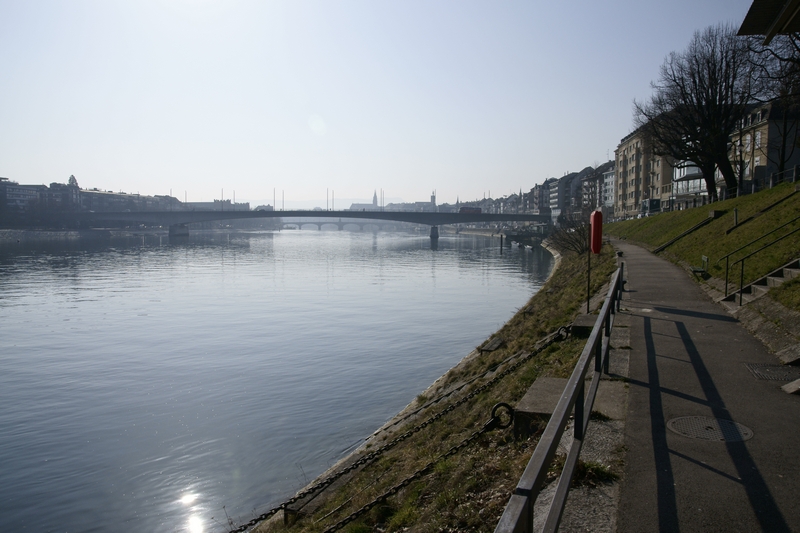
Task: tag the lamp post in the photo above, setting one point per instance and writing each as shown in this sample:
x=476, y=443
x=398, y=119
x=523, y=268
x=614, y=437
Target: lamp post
x=740, y=188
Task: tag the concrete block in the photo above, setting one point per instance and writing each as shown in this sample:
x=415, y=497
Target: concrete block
x=582, y=326
x=790, y=355
x=792, y=388
x=535, y=408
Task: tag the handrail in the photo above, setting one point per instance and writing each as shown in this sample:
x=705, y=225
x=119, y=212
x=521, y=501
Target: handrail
x=741, y=275
x=518, y=514
x=727, y=257
x=684, y=234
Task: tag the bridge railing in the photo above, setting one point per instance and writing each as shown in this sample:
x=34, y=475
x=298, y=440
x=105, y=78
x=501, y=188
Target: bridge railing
x=518, y=514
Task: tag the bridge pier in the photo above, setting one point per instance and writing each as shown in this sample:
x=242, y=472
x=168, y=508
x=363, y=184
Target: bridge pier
x=179, y=230
x=434, y=233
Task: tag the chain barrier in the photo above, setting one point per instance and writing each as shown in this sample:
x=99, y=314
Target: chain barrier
x=559, y=334
x=495, y=422
x=547, y=341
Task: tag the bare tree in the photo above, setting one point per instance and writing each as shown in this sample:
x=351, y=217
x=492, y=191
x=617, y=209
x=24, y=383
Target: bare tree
x=778, y=66
x=572, y=233
x=700, y=96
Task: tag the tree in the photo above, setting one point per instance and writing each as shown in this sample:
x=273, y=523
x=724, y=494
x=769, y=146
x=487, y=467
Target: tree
x=700, y=97
x=778, y=65
x=72, y=181
x=572, y=233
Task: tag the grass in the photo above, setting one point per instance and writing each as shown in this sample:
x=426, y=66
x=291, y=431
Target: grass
x=714, y=241
x=788, y=294
x=467, y=492
x=587, y=473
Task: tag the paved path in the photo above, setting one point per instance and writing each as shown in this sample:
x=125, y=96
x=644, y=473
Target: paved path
x=688, y=358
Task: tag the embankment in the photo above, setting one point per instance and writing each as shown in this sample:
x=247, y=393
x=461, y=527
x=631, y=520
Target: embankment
x=468, y=491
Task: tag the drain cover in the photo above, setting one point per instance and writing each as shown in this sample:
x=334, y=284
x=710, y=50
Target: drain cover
x=703, y=427
x=774, y=372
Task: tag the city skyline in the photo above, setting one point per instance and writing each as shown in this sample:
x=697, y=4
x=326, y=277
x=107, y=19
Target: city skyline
x=309, y=97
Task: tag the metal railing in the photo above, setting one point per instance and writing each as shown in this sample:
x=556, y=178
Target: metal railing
x=727, y=257
x=741, y=275
x=788, y=175
x=518, y=514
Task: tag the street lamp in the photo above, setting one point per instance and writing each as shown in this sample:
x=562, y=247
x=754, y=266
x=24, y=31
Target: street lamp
x=741, y=168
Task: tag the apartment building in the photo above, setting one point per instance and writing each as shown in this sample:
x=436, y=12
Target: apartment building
x=764, y=144
x=593, y=186
x=642, y=180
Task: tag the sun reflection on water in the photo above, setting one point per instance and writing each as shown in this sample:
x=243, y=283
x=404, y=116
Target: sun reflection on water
x=188, y=499
x=195, y=525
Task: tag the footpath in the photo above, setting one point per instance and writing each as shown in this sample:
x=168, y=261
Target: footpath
x=710, y=444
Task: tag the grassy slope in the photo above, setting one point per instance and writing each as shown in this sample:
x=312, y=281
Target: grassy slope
x=713, y=242
x=469, y=491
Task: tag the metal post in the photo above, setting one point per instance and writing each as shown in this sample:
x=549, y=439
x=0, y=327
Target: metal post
x=727, y=259
x=741, y=284
x=598, y=354
x=588, y=278
x=578, y=428
x=608, y=335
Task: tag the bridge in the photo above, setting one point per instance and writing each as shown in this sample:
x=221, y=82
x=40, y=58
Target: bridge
x=178, y=220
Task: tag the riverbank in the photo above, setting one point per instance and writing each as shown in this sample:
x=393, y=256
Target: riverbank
x=35, y=235
x=469, y=490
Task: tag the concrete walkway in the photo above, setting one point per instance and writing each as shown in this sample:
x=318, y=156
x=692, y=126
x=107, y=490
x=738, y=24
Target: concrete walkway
x=688, y=359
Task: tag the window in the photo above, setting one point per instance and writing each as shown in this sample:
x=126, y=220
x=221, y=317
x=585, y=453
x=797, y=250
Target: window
x=747, y=143
x=758, y=140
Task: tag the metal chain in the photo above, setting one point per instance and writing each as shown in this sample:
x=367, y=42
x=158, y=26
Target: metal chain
x=560, y=334
x=544, y=343
x=493, y=423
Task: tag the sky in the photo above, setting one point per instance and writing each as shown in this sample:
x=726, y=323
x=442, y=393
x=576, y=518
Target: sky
x=313, y=100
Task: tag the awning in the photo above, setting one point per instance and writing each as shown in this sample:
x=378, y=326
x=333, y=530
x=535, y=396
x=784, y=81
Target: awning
x=770, y=18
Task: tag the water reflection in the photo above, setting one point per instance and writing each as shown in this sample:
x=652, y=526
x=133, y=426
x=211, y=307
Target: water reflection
x=145, y=385
x=195, y=524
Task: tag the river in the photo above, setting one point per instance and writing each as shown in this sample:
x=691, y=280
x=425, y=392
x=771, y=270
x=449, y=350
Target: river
x=164, y=387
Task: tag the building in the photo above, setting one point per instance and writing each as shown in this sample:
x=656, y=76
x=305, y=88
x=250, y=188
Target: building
x=764, y=145
x=643, y=180
x=592, y=186
x=169, y=202
x=606, y=200
x=689, y=187
x=367, y=207
x=426, y=207
x=20, y=197
x=560, y=195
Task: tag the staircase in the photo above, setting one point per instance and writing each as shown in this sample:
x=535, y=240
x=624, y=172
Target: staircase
x=762, y=285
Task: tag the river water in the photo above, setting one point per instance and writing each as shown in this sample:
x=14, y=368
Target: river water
x=156, y=386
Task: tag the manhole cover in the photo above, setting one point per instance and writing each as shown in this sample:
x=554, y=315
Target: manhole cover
x=774, y=372
x=703, y=427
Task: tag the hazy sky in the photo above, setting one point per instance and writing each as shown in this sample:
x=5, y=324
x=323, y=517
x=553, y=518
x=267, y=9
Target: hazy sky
x=406, y=96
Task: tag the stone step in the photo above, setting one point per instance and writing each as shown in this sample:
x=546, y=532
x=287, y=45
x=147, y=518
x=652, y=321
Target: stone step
x=775, y=281
x=791, y=273
x=535, y=408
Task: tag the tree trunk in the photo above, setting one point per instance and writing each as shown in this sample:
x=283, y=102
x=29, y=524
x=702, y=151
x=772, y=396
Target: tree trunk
x=711, y=186
x=728, y=173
